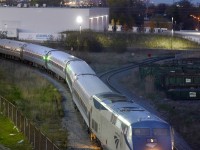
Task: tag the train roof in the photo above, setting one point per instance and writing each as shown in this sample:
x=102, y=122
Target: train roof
x=127, y=111
x=90, y=85
x=63, y=57
x=11, y=44
x=42, y=50
x=80, y=68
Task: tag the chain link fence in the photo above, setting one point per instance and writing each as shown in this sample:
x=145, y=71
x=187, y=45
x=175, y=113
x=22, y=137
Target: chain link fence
x=38, y=140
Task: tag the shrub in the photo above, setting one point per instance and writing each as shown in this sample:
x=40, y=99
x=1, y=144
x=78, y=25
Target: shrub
x=89, y=42
x=118, y=45
x=86, y=41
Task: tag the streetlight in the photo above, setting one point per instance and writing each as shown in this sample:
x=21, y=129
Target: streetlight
x=172, y=31
x=79, y=20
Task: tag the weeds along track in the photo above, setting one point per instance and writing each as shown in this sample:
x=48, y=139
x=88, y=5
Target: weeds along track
x=71, y=121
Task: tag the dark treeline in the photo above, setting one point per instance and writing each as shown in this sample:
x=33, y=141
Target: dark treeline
x=135, y=12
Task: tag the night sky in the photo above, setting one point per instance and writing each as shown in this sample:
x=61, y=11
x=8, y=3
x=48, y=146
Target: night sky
x=171, y=1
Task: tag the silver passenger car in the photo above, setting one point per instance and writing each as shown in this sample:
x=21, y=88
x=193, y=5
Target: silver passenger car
x=57, y=61
x=84, y=87
x=76, y=68
x=36, y=54
x=12, y=48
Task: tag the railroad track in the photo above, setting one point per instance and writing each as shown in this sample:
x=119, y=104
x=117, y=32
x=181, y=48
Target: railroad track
x=106, y=76
x=109, y=74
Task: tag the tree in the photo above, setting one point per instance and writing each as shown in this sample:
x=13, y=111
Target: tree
x=181, y=12
x=161, y=8
x=127, y=11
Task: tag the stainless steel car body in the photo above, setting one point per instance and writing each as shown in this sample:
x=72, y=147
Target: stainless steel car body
x=76, y=68
x=36, y=54
x=57, y=61
x=12, y=48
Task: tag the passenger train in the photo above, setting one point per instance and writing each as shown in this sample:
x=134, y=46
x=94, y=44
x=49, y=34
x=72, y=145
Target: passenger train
x=113, y=120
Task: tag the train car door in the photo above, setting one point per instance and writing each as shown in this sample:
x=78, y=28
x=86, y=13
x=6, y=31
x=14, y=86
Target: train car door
x=22, y=51
x=95, y=122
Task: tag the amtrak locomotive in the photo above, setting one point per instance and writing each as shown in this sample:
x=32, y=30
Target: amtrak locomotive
x=114, y=121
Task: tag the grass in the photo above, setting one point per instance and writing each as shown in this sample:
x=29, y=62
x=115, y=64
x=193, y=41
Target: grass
x=160, y=41
x=10, y=137
x=38, y=99
x=119, y=42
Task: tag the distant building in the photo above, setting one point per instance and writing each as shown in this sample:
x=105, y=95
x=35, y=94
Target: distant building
x=158, y=24
x=52, y=20
x=83, y=3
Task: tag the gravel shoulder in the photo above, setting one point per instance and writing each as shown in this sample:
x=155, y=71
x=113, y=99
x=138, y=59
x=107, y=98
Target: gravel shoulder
x=72, y=121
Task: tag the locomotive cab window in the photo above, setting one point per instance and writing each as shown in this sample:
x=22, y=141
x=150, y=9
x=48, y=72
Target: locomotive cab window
x=141, y=131
x=160, y=132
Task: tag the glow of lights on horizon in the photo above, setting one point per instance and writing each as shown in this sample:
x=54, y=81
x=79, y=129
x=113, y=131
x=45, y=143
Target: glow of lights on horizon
x=170, y=1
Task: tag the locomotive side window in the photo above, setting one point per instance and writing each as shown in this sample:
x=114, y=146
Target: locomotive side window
x=141, y=131
x=98, y=105
x=160, y=131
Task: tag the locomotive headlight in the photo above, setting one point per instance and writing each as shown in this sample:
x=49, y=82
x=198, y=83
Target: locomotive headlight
x=153, y=149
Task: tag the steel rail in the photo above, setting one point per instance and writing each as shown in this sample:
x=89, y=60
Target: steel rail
x=109, y=74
